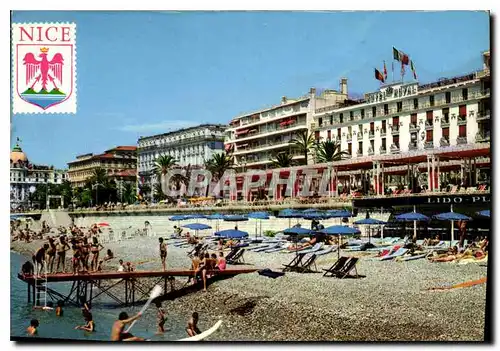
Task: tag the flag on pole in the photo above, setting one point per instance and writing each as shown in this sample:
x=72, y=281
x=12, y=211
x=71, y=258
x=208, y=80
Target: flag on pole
x=400, y=56
x=379, y=76
x=412, y=66
x=385, y=72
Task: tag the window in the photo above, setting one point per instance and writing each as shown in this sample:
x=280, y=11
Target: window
x=351, y=115
x=447, y=97
x=341, y=118
x=331, y=119
x=386, y=109
x=400, y=106
x=446, y=113
x=462, y=131
x=465, y=93
x=360, y=129
x=362, y=113
x=429, y=116
x=395, y=121
x=383, y=144
x=431, y=100
x=320, y=121
x=372, y=145
x=372, y=126
x=462, y=110
x=316, y=135
x=349, y=148
x=374, y=111
x=395, y=140
x=338, y=133
x=349, y=130
x=415, y=103
x=414, y=119
x=429, y=135
x=383, y=125
x=329, y=135
x=360, y=147
x=446, y=132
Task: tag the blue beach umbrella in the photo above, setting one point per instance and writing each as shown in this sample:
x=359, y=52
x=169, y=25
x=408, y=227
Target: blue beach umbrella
x=452, y=217
x=340, y=230
x=311, y=210
x=413, y=217
x=369, y=221
x=260, y=216
x=216, y=217
x=484, y=213
x=231, y=233
x=298, y=231
x=235, y=218
x=197, y=226
x=289, y=213
x=178, y=218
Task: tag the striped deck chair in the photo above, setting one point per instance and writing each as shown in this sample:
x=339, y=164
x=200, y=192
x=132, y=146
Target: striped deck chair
x=336, y=267
x=311, y=261
x=348, y=267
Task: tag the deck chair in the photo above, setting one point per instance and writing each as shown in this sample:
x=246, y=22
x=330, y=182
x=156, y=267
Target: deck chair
x=311, y=261
x=348, y=267
x=336, y=267
x=232, y=253
x=309, y=250
x=295, y=262
x=237, y=258
x=400, y=252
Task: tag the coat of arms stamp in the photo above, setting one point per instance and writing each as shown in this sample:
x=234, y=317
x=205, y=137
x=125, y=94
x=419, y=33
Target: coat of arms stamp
x=44, y=68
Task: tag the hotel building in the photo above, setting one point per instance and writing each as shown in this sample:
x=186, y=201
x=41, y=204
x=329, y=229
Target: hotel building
x=254, y=138
x=189, y=146
x=120, y=164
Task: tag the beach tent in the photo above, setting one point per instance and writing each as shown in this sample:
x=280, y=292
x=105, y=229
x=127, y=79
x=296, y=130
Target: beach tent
x=260, y=216
x=413, y=217
x=452, y=217
x=231, y=233
x=369, y=222
x=484, y=213
x=340, y=230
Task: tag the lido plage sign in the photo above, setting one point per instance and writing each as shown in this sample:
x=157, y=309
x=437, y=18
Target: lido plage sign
x=392, y=92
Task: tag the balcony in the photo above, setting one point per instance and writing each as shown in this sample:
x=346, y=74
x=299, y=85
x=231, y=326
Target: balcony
x=445, y=122
x=461, y=140
x=412, y=146
x=414, y=128
x=349, y=137
x=370, y=151
x=383, y=132
x=359, y=153
x=429, y=125
x=360, y=136
x=395, y=130
x=461, y=120
x=429, y=145
x=383, y=150
x=444, y=142
x=483, y=137
x=371, y=134
x=481, y=116
x=395, y=149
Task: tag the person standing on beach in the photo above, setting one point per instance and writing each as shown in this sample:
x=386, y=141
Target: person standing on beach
x=61, y=249
x=192, y=326
x=95, y=248
x=33, y=328
x=163, y=253
x=118, y=333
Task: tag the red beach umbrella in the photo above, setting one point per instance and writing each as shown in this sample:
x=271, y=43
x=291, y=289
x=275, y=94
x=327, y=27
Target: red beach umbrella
x=103, y=224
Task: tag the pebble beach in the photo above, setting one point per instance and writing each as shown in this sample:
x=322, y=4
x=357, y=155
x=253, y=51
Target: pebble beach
x=390, y=302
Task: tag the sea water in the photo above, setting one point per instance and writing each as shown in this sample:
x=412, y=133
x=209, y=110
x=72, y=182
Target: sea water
x=51, y=326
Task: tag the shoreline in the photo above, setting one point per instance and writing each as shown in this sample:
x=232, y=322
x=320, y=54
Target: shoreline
x=391, y=303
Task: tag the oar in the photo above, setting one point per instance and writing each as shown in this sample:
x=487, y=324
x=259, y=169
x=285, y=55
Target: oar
x=157, y=290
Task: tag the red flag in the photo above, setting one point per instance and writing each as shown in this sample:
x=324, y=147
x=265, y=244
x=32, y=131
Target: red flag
x=379, y=75
x=405, y=60
x=385, y=72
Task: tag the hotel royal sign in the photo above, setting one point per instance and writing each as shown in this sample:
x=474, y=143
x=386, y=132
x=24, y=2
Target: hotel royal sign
x=392, y=92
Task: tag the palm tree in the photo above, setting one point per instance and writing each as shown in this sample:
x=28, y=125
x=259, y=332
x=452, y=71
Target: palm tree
x=158, y=193
x=101, y=186
x=304, y=142
x=219, y=164
x=329, y=151
x=282, y=160
x=129, y=193
x=164, y=164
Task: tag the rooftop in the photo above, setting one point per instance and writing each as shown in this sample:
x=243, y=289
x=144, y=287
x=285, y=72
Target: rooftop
x=184, y=130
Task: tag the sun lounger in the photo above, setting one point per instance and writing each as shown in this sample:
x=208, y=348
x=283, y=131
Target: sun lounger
x=279, y=247
x=348, y=267
x=263, y=248
x=295, y=262
x=415, y=257
x=337, y=266
x=237, y=258
x=400, y=252
x=312, y=249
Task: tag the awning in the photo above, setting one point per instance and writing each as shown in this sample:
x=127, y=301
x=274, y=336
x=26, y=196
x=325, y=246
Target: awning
x=228, y=147
x=241, y=131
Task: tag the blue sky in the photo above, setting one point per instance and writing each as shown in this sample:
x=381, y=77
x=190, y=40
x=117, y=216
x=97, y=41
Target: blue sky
x=144, y=73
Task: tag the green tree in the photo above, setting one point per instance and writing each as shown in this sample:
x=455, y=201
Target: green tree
x=305, y=143
x=164, y=164
x=282, y=160
x=219, y=164
x=329, y=151
x=129, y=193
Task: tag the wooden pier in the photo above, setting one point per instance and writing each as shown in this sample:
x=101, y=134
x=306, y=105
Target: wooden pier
x=135, y=290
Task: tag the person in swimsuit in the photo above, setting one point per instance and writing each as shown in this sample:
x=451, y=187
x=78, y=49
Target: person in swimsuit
x=39, y=258
x=118, y=333
x=195, y=264
x=85, y=250
x=204, y=267
x=59, y=310
x=33, y=328
x=161, y=318
x=109, y=255
x=221, y=263
x=163, y=253
x=192, y=327
x=89, y=320
x=95, y=248
x=76, y=257
x=51, y=255
x=61, y=249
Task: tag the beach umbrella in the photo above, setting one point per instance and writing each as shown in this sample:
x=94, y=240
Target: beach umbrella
x=289, y=213
x=178, y=218
x=216, y=217
x=310, y=210
x=484, y=213
x=338, y=214
x=235, y=218
x=369, y=222
x=413, y=217
x=298, y=231
x=452, y=217
x=260, y=216
x=103, y=224
x=231, y=233
x=196, y=227
x=339, y=230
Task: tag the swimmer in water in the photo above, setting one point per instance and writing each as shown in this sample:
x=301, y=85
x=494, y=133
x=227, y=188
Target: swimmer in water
x=192, y=327
x=33, y=328
x=118, y=333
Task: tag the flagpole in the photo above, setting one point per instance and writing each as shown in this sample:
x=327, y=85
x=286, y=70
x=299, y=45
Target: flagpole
x=393, y=71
